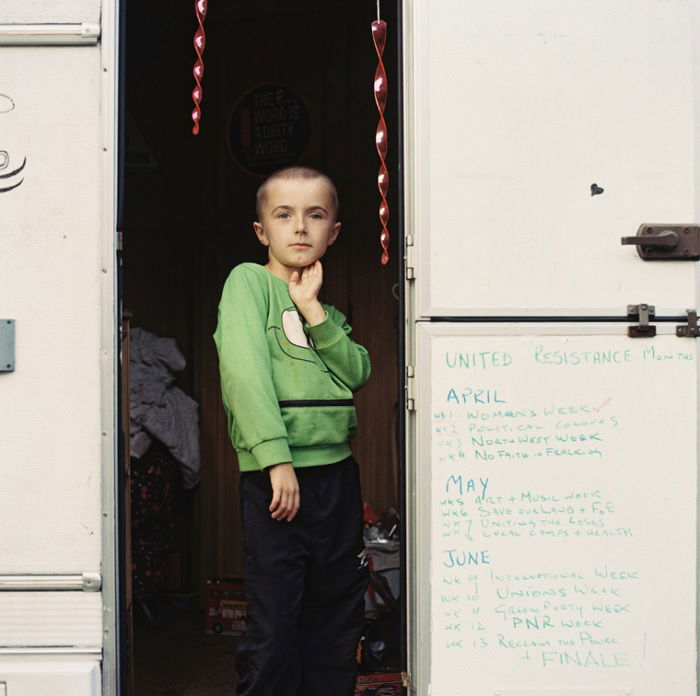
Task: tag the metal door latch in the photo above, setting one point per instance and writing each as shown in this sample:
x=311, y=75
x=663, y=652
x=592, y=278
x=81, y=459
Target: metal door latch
x=691, y=329
x=643, y=313
x=667, y=242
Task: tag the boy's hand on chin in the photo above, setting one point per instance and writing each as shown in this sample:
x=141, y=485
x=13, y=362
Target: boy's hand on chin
x=285, y=492
x=304, y=287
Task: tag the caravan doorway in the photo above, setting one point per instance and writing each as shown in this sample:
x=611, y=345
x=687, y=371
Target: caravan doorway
x=187, y=220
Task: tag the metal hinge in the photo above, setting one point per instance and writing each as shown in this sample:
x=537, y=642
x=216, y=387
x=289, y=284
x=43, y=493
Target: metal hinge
x=691, y=329
x=7, y=345
x=410, y=397
x=643, y=313
x=410, y=264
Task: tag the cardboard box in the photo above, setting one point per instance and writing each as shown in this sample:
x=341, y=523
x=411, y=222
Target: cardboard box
x=378, y=684
x=224, y=606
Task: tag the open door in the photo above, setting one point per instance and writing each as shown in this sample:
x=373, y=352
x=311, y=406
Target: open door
x=58, y=632
x=554, y=456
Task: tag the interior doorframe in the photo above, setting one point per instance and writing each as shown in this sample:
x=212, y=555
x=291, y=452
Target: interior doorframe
x=110, y=156
x=405, y=315
x=416, y=662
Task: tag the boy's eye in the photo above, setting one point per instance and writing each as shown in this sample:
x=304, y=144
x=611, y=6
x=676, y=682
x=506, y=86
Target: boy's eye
x=283, y=215
x=316, y=216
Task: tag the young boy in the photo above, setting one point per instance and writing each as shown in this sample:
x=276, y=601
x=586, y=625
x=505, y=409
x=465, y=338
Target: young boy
x=288, y=372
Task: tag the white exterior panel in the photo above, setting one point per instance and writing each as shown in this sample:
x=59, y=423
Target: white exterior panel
x=50, y=675
x=50, y=284
x=50, y=11
x=560, y=500
x=57, y=451
x=36, y=619
x=515, y=110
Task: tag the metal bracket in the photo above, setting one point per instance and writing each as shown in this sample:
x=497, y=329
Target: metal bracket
x=691, y=329
x=643, y=313
x=410, y=397
x=92, y=582
x=49, y=34
x=85, y=582
x=410, y=264
x=7, y=345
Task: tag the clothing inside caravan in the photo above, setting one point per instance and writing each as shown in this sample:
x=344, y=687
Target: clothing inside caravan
x=284, y=83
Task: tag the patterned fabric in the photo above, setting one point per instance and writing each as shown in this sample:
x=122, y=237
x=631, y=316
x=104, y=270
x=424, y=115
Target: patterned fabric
x=153, y=480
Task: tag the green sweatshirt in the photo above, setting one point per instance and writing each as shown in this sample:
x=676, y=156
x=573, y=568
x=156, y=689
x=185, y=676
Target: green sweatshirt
x=287, y=387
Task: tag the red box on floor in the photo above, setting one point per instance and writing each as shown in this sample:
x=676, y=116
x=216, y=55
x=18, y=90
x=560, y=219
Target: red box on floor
x=224, y=606
x=378, y=684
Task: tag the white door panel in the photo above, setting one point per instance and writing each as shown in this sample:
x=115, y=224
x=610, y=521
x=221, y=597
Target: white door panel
x=50, y=284
x=56, y=404
x=557, y=511
x=515, y=110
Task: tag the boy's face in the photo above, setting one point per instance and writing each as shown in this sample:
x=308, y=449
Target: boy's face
x=297, y=223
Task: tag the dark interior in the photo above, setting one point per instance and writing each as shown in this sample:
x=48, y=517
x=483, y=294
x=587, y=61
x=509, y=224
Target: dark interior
x=187, y=220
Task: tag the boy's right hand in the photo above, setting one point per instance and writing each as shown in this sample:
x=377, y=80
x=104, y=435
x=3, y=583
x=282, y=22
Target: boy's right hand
x=285, y=492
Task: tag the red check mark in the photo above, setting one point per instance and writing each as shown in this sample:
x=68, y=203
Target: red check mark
x=603, y=405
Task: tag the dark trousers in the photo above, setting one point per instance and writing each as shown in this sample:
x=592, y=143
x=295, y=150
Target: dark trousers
x=305, y=582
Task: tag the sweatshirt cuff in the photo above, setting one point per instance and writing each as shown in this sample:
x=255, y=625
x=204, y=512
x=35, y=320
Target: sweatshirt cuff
x=271, y=452
x=326, y=333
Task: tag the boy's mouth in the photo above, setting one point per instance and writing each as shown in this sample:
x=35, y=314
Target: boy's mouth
x=300, y=245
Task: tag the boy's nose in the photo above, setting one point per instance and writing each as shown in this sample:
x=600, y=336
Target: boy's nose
x=300, y=225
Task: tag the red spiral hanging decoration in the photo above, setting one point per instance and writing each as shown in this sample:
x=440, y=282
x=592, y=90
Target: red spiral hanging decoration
x=380, y=96
x=200, y=8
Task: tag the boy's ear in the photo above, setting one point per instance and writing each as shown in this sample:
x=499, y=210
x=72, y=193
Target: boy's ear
x=260, y=234
x=334, y=233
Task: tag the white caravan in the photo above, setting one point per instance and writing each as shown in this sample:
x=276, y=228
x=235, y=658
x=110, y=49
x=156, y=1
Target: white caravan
x=551, y=365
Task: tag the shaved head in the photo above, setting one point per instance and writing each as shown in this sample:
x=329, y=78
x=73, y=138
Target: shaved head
x=294, y=173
